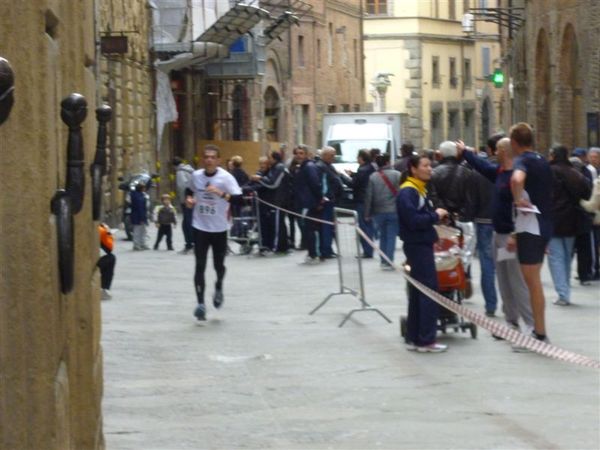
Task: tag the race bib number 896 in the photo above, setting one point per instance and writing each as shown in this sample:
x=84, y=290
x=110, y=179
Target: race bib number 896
x=206, y=210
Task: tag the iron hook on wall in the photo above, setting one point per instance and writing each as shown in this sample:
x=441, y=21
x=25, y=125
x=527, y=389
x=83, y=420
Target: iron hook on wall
x=73, y=112
x=67, y=202
x=98, y=167
x=7, y=88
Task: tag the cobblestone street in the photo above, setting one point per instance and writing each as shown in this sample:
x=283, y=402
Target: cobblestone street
x=262, y=373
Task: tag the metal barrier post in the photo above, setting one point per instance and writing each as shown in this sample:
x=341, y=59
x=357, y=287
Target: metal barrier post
x=349, y=261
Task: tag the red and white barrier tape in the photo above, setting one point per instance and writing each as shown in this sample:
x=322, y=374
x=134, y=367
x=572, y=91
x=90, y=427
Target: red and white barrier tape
x=496, y=328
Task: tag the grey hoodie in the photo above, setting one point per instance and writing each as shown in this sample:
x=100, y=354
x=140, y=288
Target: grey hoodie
x=379, y=198
x=183, y=177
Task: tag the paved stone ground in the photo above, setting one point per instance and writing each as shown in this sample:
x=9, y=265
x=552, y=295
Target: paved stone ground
x=262, y=373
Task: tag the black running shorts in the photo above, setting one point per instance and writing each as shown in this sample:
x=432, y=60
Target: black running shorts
x=531, y=248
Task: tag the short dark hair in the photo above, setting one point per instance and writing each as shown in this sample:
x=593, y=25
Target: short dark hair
x=493, y=141
x=212, y=148
x=407, y=149
x=522, y=134
x=276, y=156
x=560, y=153
x=374, y=152
x=177, y=160
x=382, y=160
x=364, y=155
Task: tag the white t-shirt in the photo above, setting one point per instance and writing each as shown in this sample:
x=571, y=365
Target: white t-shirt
x=210, y=211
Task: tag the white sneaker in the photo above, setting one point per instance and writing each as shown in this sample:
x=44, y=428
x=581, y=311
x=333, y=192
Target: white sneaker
x=105, y=295
x=311, y=261
x=432, y=348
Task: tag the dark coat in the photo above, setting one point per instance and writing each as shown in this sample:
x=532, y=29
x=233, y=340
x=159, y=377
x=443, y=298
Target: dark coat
x=416, y=217
x=569, y=187
x=139, y=211
x=359, y=182
x=308, y=190
x=329, y=175
x=451, y=188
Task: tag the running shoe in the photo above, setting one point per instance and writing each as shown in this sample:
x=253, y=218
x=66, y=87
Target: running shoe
x=410, y=346
x=311, y=261
x=432, y=348
x=200, y=312
x=218, y=298
x=521, y=349
x=562, y=302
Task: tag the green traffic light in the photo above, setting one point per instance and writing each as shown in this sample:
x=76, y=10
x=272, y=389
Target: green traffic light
x=498, y=78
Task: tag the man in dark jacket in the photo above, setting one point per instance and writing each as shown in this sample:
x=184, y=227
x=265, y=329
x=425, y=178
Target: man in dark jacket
x=451, y=184
x=482, y=212
x=308, y=192
x=332, y=191
x=406, y=151
x=569, y=187
x=513, y=290
x=276, y=181
x=358, y=182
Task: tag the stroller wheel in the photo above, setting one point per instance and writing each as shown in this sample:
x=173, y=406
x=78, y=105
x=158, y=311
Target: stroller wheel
x=403, y=326
x=473, y=329
x=245, y=249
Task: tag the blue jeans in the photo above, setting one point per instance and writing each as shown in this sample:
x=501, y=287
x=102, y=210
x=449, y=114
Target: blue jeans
x=387, y=224
x=326, y=231
x=485, y=234
x=560, y=250
x=367, y=227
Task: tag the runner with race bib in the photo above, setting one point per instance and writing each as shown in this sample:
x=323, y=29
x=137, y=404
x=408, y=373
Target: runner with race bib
x=211, y=191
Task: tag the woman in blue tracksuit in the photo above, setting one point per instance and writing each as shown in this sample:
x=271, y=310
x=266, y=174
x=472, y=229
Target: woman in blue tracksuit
x=416, y=218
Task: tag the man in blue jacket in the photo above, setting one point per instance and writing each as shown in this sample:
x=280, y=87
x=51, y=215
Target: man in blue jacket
x=308, y=191
x=513, y=290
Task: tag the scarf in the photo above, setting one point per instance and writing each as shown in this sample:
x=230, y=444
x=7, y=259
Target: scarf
x=416, y=184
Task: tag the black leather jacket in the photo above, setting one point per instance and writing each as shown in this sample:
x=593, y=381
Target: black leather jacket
x=452, y=187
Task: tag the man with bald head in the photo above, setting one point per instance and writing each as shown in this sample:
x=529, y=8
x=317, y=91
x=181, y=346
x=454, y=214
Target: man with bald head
x=513, y=290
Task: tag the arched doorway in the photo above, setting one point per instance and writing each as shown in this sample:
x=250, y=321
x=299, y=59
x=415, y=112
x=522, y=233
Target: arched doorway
x=543, y=104
x=272, y=107
x=572, y=131
x=486, y=120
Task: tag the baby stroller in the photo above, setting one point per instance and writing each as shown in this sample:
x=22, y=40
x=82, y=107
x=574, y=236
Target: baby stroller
x=245, y=229
x=452, y=263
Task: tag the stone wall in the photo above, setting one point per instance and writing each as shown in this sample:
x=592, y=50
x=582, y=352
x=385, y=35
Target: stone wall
x=559, y=62
x=50, y=354
x=127, y=85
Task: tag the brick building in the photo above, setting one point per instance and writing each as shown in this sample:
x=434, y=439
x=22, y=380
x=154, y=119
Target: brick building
x=554, y=60
x=326, y=67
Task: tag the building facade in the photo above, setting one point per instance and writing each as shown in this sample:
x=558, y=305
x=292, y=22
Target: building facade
x=326, y=68
x=554, y=63
x=50, y=353
x=126, y=83
x=439, y=74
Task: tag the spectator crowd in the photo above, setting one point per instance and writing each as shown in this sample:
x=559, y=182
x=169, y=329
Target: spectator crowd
x=523, y=205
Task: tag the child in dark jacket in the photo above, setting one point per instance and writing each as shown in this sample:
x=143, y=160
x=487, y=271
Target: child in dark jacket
x=165, y=218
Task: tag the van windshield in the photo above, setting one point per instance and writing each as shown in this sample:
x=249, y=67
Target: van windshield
x=347, y=149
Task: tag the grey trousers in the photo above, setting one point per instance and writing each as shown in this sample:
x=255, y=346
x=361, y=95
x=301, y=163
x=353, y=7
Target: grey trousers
x=513, y=290
x=139, y=237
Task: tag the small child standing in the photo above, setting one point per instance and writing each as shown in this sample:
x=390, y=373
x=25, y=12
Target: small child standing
x=165, y=217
